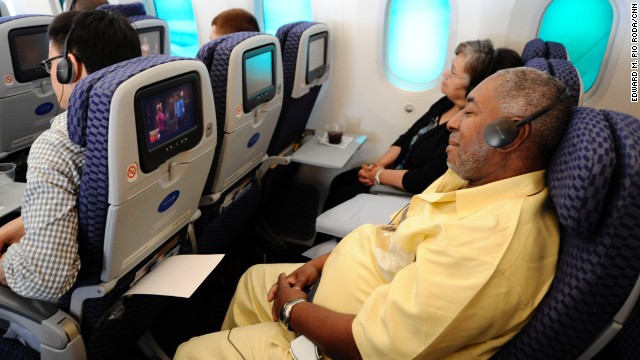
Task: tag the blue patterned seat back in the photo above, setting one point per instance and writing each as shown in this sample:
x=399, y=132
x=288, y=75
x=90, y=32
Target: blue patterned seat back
x=88, y=126
x=538, y=63
x=594, y=181
x=564, y=71
x=215, y=56
x=534, y=49
x=295, y=112
x=556, y=50
x=128, y=10
x=134, y=11
x=538, y=48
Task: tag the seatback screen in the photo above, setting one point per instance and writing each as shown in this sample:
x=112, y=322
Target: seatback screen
x=258, y=76
x=317, y=56
x=169, y=119
x=29, y=46
x=151, y=41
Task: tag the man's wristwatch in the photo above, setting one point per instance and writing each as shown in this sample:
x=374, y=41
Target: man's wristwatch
x=285, y=312
x=376, y=180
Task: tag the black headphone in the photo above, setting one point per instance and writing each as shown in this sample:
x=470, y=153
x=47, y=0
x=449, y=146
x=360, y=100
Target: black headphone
x=503, y=131
x=65, y=71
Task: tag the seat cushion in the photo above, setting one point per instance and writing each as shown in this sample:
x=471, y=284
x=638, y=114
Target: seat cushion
x=580, y=171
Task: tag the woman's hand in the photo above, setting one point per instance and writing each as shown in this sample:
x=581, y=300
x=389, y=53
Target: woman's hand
x=367, y=174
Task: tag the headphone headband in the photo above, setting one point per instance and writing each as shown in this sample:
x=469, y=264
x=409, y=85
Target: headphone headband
x=503, y=131
x=527, y=119
x=65, y=71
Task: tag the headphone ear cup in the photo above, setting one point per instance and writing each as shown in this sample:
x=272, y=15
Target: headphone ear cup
x=65, y=72
x=500, y=132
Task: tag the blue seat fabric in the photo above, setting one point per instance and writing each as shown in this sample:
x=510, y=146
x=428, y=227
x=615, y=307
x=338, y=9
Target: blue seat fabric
x=563, y=70
x=295, y=112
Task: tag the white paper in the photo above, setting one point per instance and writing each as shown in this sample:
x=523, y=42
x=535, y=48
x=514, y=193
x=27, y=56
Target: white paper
x=346, y=140
x=177, y=275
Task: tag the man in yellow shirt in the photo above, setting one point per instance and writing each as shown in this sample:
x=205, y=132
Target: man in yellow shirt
x=457, y=274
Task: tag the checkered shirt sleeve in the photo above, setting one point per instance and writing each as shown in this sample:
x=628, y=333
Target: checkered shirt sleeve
x=45, y=263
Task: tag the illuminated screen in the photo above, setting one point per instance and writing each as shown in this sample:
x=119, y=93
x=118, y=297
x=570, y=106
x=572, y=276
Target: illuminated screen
x=316, y=56
x=168, y=118
x=258, y=74
x=151, y=41
x=29, y=46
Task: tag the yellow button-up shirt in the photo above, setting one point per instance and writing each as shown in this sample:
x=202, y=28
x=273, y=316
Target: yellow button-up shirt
x=458, y=277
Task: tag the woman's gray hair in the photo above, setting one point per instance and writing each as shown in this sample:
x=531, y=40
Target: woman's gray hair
x=479, y=55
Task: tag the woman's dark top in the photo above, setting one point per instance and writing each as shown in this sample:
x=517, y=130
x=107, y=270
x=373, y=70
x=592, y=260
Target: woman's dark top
x=425, y=160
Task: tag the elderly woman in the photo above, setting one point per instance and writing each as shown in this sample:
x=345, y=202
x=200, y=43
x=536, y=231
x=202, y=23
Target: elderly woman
x=418, y=157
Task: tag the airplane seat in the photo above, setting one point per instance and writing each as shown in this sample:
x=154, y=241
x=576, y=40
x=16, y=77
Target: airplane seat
x=306, y=54
x=128, y=10
x=564, y=71
x=300, y=89
x=153, y=31
x=538, y=48
x=535, y=48
x=139, y=193
x=556, y=50
x=27, y=99
x=594, y=183
x=245, y=69
x=570, y=77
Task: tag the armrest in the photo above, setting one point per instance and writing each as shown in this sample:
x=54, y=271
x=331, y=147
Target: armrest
x=270, y=161
x=362, y=209
x=57, y=332
x=388, y=190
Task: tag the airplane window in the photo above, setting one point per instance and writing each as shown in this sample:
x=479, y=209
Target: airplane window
x=183, y=32
x=417, y=34
x=279, y=12
x=583, y=27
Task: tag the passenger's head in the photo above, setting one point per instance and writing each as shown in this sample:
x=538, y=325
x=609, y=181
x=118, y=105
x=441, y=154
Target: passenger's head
x=512, y=94
x=93, y=40
x=475, y=61
x=232, y=21
x=86, y=5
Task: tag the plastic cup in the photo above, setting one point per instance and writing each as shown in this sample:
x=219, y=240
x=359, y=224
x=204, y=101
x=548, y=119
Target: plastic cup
x=335, y=132
x=7, y=173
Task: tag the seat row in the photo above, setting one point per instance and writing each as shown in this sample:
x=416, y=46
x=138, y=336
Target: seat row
x=169, y=142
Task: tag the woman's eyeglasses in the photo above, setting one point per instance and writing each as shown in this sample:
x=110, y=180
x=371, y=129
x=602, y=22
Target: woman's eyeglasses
x=454, y=75
x=46, y=63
